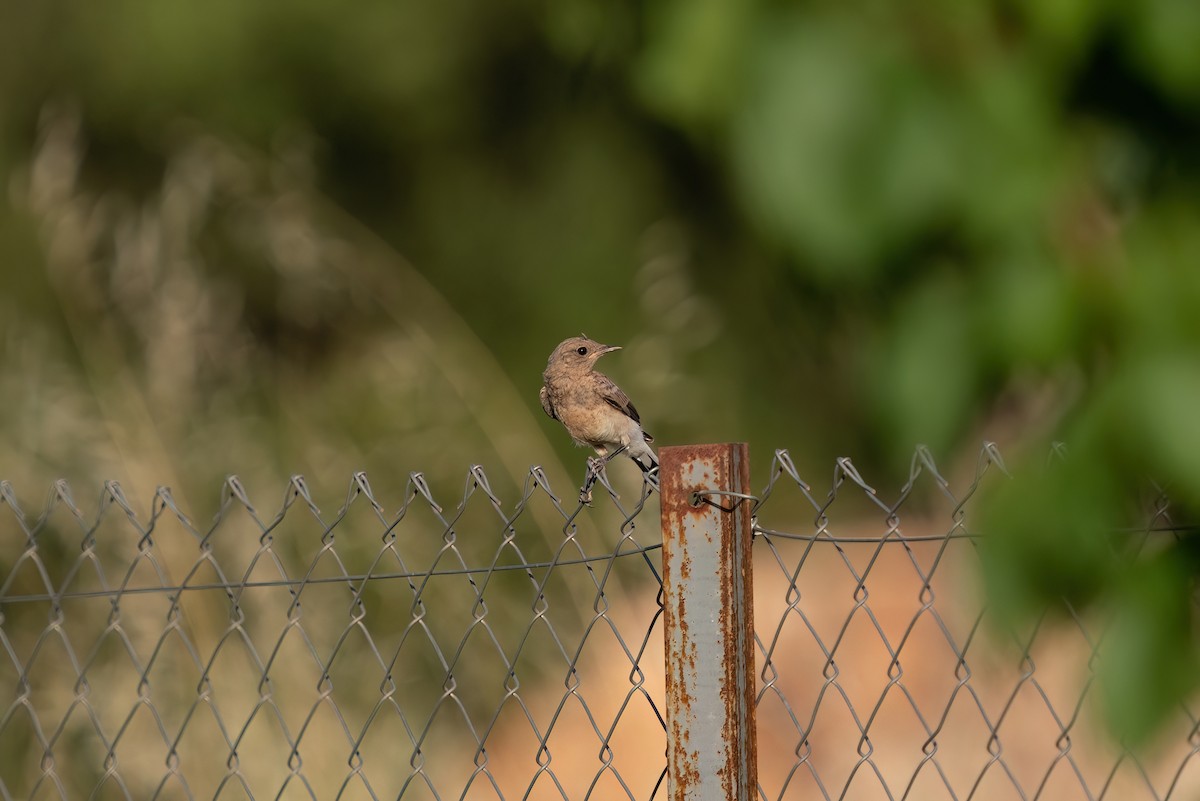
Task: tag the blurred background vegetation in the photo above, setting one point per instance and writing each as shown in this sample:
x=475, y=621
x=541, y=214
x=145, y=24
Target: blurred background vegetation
x=309, y=237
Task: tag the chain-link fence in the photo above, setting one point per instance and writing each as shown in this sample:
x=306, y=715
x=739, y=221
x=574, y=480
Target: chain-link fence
x=881, y=675
x=410, y=647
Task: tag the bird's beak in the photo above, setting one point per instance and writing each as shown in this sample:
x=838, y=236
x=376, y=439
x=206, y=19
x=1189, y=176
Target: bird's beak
x=608, y=349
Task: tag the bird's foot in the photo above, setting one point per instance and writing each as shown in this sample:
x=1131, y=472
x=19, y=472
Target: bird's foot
x=595, y=468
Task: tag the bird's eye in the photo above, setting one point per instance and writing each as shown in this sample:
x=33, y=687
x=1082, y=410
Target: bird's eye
x=581, y=351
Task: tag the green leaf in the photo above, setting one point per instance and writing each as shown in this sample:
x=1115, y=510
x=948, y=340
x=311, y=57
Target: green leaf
x=923, y=379
x=1149, y=659
x=690, y=70
x=1165, y=35
x=1029, y=313
x=1157, y=418
x=1050, y=537
x=798, y=136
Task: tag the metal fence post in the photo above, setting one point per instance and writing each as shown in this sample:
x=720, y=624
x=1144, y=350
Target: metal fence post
x=708, y=622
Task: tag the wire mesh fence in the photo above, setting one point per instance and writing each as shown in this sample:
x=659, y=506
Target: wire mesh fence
x=486, y=648
x=881, y=676
x=432, y=652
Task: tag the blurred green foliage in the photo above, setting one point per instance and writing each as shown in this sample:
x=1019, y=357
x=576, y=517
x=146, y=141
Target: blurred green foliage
x=843, y=228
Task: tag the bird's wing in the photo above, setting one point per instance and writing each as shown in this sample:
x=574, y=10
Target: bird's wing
x=547, y=406
x=615, y=397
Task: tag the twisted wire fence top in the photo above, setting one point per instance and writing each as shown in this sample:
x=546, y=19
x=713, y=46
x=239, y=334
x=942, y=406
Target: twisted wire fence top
x=490, y=649
x=363, y=654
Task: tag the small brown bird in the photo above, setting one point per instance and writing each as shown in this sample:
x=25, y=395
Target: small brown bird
x=594, y=410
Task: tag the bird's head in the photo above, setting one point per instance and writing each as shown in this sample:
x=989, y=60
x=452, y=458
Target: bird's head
x=578, y=353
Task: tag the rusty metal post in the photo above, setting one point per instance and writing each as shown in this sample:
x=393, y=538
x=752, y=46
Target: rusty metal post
x=708, y=621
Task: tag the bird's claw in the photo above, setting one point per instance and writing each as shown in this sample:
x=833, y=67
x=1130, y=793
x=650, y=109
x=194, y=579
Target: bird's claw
x=594, y=468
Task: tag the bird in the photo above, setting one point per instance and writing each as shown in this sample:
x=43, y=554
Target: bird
x=591, y=407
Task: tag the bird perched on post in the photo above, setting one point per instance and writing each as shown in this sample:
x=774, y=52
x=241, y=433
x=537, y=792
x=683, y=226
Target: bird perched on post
x=594, y=410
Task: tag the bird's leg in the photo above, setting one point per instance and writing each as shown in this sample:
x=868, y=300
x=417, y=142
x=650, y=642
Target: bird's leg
x=594, y=466
x=651, y=473
x=614, y=454
x=602, y=475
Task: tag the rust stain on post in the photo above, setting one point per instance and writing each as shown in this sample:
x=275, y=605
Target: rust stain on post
x=708, y=623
